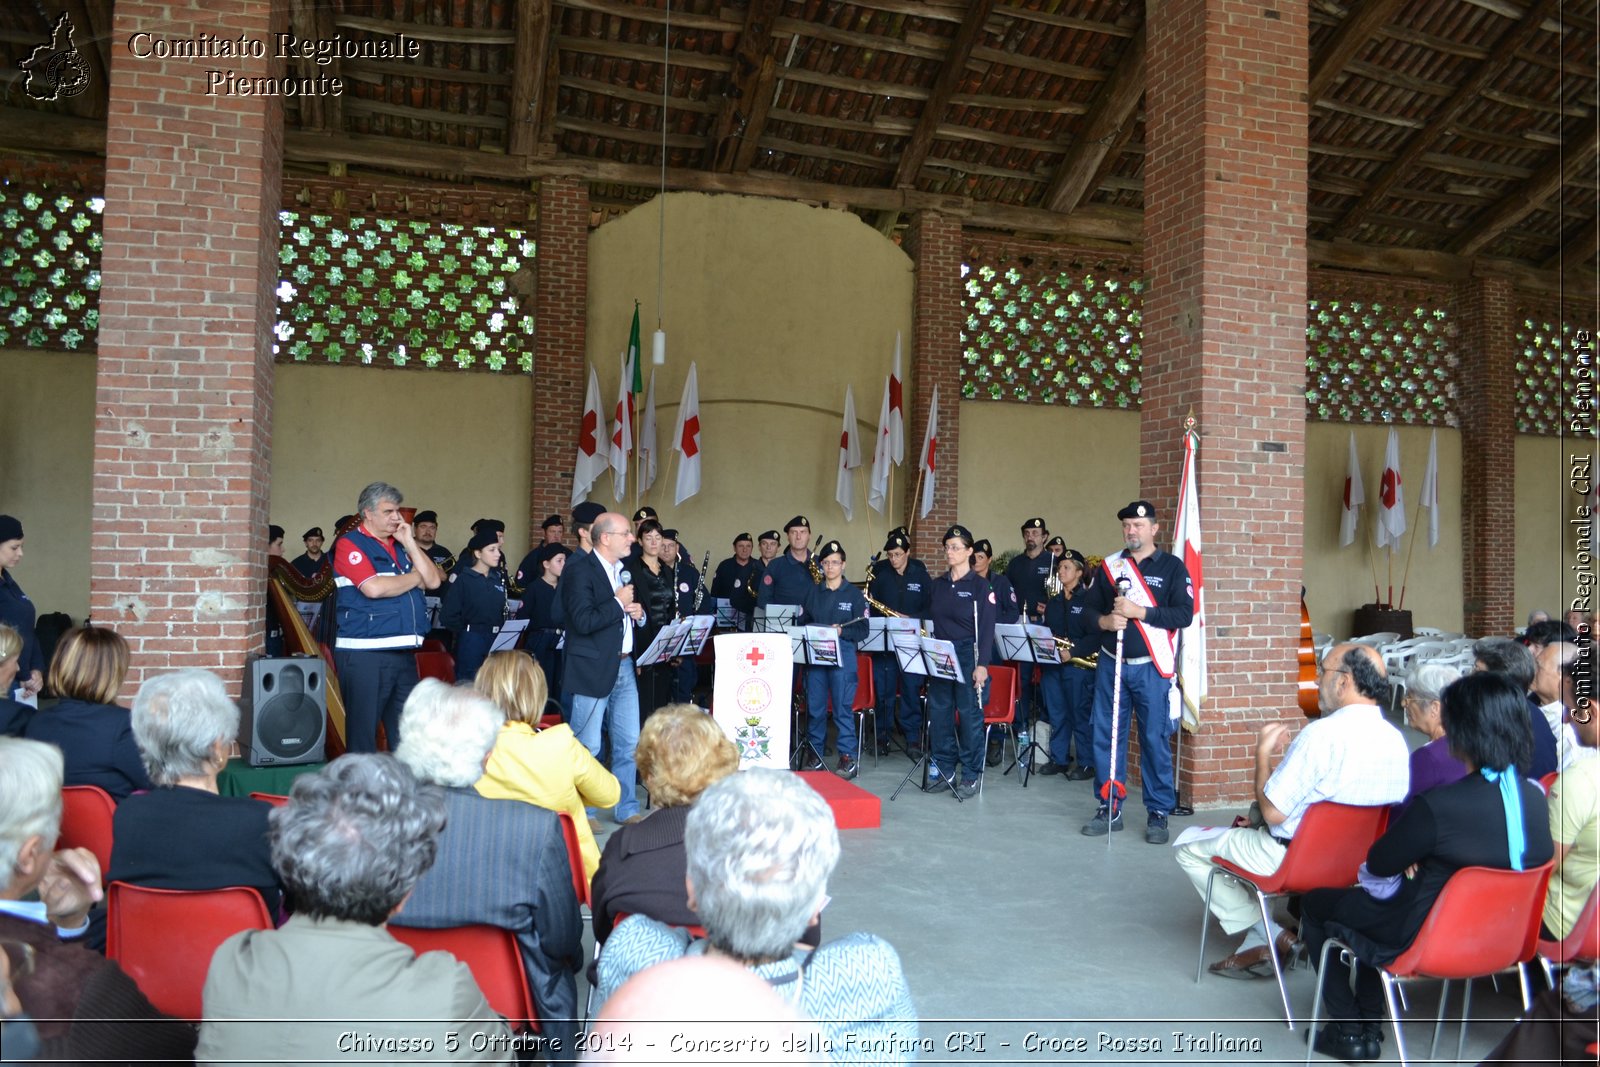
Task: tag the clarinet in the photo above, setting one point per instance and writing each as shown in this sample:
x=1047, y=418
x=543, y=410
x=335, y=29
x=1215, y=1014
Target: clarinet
x=700, y=590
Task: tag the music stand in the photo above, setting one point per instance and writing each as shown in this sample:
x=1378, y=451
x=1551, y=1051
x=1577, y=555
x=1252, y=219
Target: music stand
x=509, y=636
x=776, y=618
x=1036, y=645
x=933, y=658
x=812, y=646
x=728, y=617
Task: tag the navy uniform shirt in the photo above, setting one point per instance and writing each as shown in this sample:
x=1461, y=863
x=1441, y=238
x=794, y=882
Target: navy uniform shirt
x=1072, y=620
x=441, y=557
x=950, y=606
x=688, y=581
x=17, y=611
x=833, y=607
x=1007, y=609
x=786, y=581
x=307, y=566
x=906, y=593
x=541, y=607
x=1168, y=580
x=1027, y=578
x=473, y=599
x=737, y=584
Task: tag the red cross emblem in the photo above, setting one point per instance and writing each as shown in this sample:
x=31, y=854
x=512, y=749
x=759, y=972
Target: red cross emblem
x=755, y=656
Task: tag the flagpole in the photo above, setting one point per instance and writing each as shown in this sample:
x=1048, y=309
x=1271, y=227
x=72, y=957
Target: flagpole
x=911, y=520
x=1411, y=549
x=1372, y=559
x=671, y=459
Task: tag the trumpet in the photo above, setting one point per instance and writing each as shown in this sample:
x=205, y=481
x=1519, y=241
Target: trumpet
x=1052, y=585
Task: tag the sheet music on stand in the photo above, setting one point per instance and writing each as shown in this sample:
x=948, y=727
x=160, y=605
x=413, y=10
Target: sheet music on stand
x=685, y=637
x=1044, y=644
x=432, y=605
x=883, y=632
x=729, y=617
x=1026, y=643
x=930, y=656
x=776, y=618
x=509, y=635
x=816, y=646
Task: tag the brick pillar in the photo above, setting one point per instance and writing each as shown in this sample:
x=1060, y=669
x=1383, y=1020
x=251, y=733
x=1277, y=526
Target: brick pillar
x=560, y=375
x=183, y=393
x=934, y=243
x=1488, y=453
x=1224, y=335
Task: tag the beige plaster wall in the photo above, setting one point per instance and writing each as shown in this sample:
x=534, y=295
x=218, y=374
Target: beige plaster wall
x=455, y=442
x=1544, y=548
x=1076, y=467
x=46, y=471
x=780, y=305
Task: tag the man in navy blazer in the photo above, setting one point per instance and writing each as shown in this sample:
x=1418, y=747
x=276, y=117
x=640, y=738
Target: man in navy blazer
x=596, y=593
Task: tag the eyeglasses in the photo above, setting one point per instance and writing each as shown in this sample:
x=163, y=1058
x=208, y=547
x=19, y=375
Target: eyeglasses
x=1321, y=670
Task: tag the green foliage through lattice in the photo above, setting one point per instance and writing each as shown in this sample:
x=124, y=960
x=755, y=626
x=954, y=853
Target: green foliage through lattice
x=1371, y=362
x=49, y=268
x=1544, y=348
x=1058, y=336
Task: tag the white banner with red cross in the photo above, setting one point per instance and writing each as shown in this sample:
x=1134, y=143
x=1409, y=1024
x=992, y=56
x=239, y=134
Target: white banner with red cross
x=753, y=695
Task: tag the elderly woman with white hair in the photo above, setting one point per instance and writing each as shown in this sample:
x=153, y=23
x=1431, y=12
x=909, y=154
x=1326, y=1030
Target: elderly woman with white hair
x=1433, y=764
x=14, y=714
x=349, y=845
x=45, y=897
x=183, y=834
x=761, y=845
x=501, y=862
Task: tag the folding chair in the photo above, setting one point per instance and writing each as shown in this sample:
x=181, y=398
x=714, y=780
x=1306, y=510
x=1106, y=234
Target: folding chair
x=1484, y=921
x=1326, y=851
x=164, y=938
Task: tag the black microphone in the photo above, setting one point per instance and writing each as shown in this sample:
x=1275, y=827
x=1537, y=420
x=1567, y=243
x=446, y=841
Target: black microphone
x=624, y=578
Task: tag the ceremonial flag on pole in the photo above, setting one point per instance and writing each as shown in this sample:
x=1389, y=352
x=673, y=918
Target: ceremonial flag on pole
x=897, y=411
x=591, y=459
x=844, y=490
x=1186, y=544
x=622, y=434
x=1354, y=497
x=882, y=457
x=647, y=438
x=686, y=439
x=1430, y=489
x=930, y=449
x=1391, y=496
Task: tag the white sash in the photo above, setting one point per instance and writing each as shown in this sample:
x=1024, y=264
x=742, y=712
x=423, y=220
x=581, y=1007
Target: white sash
x=1163, y=644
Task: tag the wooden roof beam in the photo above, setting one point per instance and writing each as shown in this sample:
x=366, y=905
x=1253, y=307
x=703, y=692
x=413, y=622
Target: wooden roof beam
x=1358, y=27
x=1578, y=249
x=1527, y=197
x=530, y=54
x=745, y=103
x=1116, y=103
x=1465, y=94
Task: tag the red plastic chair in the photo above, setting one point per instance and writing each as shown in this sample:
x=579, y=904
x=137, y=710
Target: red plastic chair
x=1000, y=709
x=86, y=814
x=865, y=706
x=569, y=835
x=274, y=799
x=440, y=665
x=494, y=959
x=1581, y=943
x=164, y=938
x=433, y=644
x=1327, y=849
x=1484, y=921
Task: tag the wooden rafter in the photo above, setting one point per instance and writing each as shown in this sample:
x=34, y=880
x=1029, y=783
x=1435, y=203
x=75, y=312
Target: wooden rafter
x=1424, y=139
x=1527, y=197
x=749, y=93
x=1113, y=108
x=1577, y=249
x=1358, y=27
x=531, y=53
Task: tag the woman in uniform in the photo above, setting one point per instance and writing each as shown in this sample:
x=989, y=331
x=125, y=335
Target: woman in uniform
x=475, y=603
x=1069, y=688
x=837, y=603
x=962, y=610
x=17, y=611
x=542, y=609
x=654, y=589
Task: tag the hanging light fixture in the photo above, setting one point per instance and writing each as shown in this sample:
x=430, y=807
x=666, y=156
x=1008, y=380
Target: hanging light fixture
x=658, y=340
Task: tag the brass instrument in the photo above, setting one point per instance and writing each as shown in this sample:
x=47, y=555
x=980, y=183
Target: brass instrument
x=879, y=606
x=816, y=570
x=1052, y=584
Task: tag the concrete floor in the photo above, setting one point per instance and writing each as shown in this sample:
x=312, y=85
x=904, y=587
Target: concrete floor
x=1009, y=922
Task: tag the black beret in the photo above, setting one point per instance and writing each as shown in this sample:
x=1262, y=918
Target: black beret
x=551, y=520
x=492, y=525
x=830, y=549
x=646, y=512
x=482, y=539
x=770, y=535
x=959, y=531
x=10, y=528
x=982, y=546
x=315, y=531
x=585, y=513
x=1075, y=556
x=670, y=535
x=274, y=532
x=1055, y=542
x=1139, y=509
x=426, y=516
x=798, y=520
x=896, y=540
x=551, y=551
x=743, y=537
x=1034, y=524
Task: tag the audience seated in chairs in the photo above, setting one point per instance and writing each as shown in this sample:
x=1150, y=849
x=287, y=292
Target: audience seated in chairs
x=1575, y=810
x=94, y=735
x=1502, y=655
x=549, y=768
x=1433, y=764
x=55, y=979
x=182, y=834
x=761, y=845
x=501, y=862
x=14, y=714
x=1494, y=817
x=681, y=751
x=349, y=847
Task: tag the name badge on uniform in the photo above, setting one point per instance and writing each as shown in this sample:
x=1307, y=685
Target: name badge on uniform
x=913, y=587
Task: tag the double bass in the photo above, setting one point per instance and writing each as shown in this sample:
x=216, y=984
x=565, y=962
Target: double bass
x=1308, y=663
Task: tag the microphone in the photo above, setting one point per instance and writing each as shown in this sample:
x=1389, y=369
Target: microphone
x=624, y=578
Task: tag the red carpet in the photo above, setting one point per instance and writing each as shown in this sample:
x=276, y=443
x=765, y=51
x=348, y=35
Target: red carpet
x=853, y=807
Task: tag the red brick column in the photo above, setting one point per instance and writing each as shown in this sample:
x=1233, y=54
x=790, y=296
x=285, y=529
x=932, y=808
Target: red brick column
x=1488, y=453
x=183, y=398
x=560, y=373
x=934, y=244
x=1224, y=335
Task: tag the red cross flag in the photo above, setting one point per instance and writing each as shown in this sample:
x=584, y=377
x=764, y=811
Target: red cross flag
x=844, y=489
x=1391, y=496
x=930, y=450
x=686, y=439
x=591, y=459
x=1354, y=497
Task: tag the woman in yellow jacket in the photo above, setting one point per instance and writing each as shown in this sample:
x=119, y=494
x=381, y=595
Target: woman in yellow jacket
x=549, y=768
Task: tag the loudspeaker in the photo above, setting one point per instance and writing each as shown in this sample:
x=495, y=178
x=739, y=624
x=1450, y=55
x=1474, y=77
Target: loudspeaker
x=285, y=714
